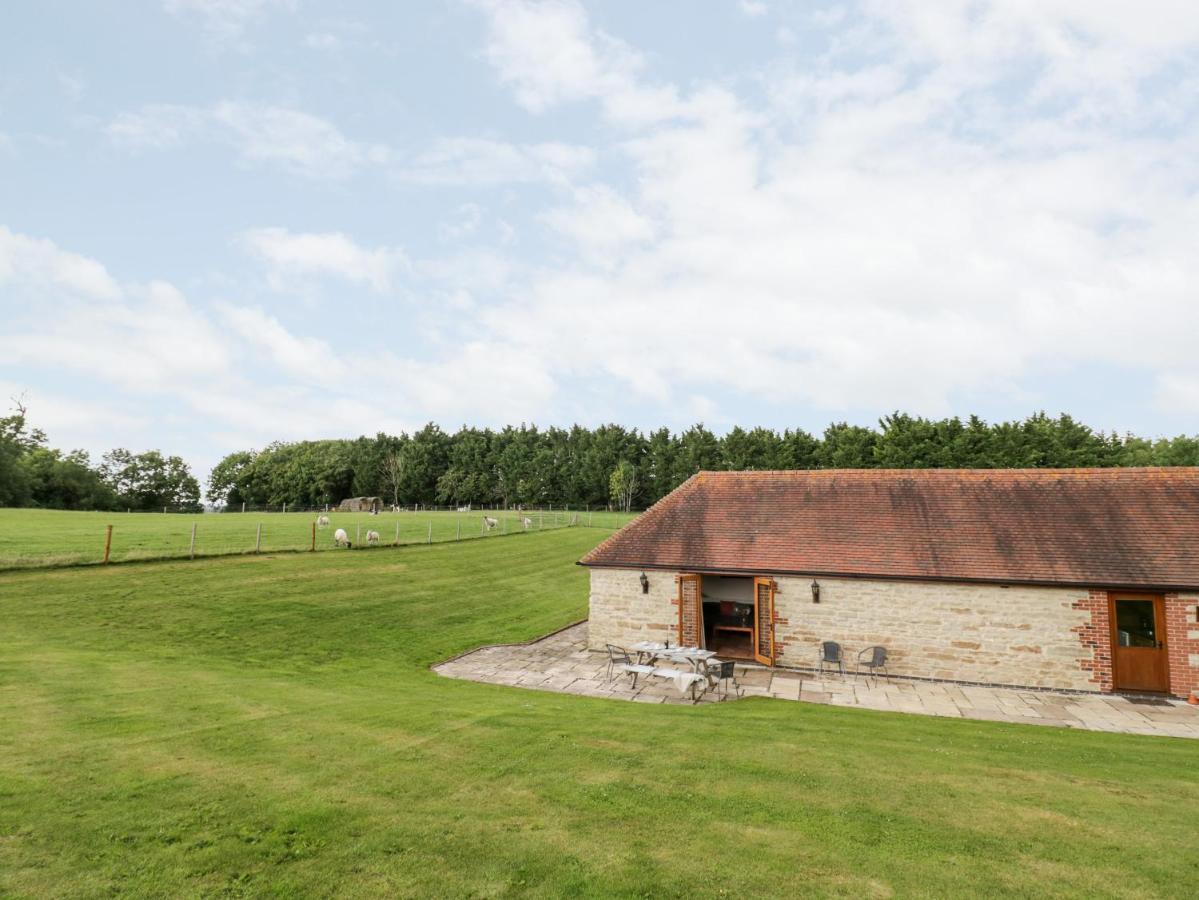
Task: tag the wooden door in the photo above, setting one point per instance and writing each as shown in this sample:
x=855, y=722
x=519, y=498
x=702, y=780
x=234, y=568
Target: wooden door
x=691, y=612
x=1139, y=661
x=764, y=621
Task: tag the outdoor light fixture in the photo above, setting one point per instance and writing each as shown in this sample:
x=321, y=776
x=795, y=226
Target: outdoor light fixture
x=644, y=584
x=815, y=591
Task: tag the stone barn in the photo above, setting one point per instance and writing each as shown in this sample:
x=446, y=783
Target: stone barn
x=361, y=504
x=1075, y=579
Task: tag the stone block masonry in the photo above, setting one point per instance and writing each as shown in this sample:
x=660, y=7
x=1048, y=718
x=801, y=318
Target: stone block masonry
x=1027, y=636
x=986, y=633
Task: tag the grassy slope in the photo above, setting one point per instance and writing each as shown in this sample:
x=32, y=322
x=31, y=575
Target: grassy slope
x=30, y=537
x=268, y=725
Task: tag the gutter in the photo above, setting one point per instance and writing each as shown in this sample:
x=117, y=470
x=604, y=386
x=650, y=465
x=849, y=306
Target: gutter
x=884, y=576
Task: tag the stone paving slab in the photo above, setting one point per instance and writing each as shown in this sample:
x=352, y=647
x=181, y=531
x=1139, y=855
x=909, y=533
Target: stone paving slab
x=562, y=663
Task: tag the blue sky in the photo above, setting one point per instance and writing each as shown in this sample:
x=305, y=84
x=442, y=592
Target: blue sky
x=224, y=222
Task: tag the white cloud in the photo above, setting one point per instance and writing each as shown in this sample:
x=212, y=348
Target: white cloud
x=601, y=222
x=225, y=20
x=155, y=126
x=480, y=162
x=40, y=263
x=753, y=8
x=296, y=255
x=305, y=358
x=905, y=223
x=296, y=141
x=322, y=40
x=550, y=54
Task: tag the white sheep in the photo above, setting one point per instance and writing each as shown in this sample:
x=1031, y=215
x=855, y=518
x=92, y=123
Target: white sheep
x=526, y=522
x=490, y=523
x=340, y=538
x=372, y=537
x=322, y=521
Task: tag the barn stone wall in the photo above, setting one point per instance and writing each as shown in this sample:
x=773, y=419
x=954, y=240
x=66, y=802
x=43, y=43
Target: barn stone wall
x=1028, y=636
x=622, y=615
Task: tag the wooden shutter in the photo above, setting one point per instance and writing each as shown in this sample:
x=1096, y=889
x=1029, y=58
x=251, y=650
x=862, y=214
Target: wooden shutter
x=691, y=612
x=764, y=621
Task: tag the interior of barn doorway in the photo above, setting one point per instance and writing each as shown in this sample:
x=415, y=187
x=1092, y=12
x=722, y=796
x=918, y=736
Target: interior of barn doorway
x=728, y=613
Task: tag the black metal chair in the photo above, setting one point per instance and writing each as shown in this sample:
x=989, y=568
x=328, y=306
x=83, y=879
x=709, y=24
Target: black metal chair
x=831, y=655
x=876, y=662
x=721, y=673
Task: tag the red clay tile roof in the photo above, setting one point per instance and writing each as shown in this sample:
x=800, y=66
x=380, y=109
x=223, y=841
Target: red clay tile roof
x=1123, y=528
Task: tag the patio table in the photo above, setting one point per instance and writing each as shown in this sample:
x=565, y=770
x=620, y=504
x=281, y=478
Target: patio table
x=647, y=650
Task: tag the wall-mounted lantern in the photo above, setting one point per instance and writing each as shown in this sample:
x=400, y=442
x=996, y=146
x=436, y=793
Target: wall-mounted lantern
x=815, y=591
x=644, y=584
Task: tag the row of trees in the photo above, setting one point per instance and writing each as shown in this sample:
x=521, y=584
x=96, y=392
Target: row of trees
x=34, y=474
x=616, y=466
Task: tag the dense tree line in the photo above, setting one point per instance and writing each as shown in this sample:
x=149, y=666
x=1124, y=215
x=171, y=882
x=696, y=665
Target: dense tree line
x=612, y=465
x=35, y=474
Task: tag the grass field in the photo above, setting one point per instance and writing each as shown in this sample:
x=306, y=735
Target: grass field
x=36, y=537
x=264, y=725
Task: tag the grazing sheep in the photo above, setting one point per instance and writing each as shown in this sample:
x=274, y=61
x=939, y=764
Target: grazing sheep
x=490, y=523
x=322, y=521
x=340, y=538
x=526, y=522
x=464, y=508
x=372, y=537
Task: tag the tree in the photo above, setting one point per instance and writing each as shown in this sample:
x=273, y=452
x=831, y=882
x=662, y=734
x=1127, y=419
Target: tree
x=16, y=485
x=622, y=485
x=67, y=481
x=392, y=475
x=150, y=481
x=225, y=485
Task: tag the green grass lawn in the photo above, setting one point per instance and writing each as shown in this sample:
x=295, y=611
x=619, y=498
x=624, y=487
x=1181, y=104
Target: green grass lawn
x=40, y=537
x=268, y=726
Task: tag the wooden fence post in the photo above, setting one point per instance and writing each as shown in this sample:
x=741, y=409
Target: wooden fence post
x=505, y=524
x=313, y=536
x=243, y=506
x=191, y=552
x=458, y=536
x=258, y=539
x=358, y=534
x=397, y=534
x=285, y=509
x=430, y=532
x=107, y=542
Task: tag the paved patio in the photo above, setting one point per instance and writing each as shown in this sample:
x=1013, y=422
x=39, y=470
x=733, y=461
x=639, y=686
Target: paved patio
x=561, y=662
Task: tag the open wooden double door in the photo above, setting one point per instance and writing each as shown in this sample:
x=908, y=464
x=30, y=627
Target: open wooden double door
x=691, y=616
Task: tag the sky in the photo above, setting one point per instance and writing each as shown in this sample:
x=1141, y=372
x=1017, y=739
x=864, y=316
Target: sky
x=228, y=222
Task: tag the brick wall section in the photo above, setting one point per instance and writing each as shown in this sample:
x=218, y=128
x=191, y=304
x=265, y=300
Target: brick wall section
x=960, y=632
x=1095, y=635
x=1182, y=643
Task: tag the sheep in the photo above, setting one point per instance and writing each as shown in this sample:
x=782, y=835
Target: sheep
x=490, y=523
x=464, y=508
x=526, y=522
x=322, y=521
x=340, y=537
x=372, y=537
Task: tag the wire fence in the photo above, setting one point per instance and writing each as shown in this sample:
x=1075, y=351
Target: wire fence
x=38, y=538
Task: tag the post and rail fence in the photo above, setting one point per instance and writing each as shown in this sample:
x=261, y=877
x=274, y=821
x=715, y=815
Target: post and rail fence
x=126, y=537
